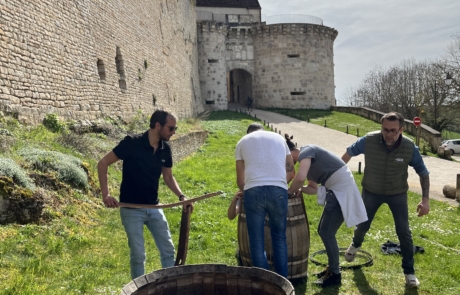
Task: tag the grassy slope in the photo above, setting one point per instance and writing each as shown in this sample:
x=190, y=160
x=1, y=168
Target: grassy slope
x=85, y=251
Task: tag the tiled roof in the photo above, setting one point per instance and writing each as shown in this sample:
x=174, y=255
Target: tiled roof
x=229, y=3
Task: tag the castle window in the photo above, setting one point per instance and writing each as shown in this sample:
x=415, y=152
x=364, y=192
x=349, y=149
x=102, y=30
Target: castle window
x=293, y=55
x=210, y=102
x=297, y=92
x=233, y=18
x=101, y=69
x=213, y=61
x=120, y=69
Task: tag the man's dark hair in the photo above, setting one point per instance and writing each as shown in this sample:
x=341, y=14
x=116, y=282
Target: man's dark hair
x=289, y=142
x=160, y=116
x=393, y=116
x=254, y=127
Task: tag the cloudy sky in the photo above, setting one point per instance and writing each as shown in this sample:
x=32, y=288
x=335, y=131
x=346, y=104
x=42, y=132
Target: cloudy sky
x=372, y=33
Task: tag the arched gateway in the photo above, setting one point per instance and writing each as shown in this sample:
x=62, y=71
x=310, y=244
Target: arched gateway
x=285, y=62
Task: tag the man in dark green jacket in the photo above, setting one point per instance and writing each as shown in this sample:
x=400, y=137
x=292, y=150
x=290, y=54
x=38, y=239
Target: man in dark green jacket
x=387, y=155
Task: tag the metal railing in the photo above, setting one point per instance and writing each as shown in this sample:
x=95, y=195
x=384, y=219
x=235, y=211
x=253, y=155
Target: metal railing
x=226, y=18
x=291, y=19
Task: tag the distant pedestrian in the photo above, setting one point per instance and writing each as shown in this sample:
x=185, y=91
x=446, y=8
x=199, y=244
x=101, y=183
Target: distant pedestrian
x=249, y=103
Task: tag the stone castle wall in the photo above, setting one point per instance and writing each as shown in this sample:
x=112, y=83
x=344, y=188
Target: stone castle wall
x=86, y=59
x=211, y=61
x=282, y=65
x=294, y=66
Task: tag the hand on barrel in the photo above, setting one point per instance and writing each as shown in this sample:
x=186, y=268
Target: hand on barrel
x=235, y=205
x=110, y=202
x=295, y=194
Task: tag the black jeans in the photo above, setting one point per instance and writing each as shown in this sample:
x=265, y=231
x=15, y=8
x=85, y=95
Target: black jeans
x=399, y=210
x=331, y=220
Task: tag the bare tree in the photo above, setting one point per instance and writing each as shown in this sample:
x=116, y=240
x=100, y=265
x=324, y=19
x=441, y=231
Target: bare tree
x=411, y=88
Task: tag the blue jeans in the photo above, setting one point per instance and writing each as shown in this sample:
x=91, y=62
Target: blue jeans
x=399, y=210
x=330, y=222
x=133, y=220
x=271, y=200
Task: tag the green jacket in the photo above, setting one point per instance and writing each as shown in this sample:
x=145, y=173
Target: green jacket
x=385, y=172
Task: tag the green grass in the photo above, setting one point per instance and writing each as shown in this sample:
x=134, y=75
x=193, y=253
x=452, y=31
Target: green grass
x=84, y=250
x=344, y=122
x=446, y=134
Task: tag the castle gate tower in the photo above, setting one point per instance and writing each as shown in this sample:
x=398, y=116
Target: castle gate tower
x=294, y=66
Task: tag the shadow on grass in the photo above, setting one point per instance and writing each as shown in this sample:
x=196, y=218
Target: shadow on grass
x=362, y=284
x=410, y=291
x=300, y=286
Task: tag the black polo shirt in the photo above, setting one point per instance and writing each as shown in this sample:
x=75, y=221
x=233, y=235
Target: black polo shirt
x=141, y=168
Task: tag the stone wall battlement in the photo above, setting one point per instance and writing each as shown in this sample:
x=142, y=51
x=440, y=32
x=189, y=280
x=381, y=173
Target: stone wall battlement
x=212, y=27
x=263, y=30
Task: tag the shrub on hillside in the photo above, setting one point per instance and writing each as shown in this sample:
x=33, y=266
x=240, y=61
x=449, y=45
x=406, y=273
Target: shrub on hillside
x=139, y=123
x=6, y=140
x=52, y=122
x=78, y=142
x=68, y=168
x=9, y=168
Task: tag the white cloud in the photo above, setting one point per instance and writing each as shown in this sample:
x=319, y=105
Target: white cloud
x=377, y=32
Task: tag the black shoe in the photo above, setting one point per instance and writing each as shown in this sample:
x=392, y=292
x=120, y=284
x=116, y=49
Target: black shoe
x=321, y=274
x=329, y=279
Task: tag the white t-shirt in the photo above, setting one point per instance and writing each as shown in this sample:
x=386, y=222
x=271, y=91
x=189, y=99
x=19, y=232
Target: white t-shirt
x=264, y=155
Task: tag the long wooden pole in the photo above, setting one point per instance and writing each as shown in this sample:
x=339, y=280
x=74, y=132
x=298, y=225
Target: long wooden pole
x=162, y=206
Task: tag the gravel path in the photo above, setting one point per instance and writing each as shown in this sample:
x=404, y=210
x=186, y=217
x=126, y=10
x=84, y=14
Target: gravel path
x=442, y=172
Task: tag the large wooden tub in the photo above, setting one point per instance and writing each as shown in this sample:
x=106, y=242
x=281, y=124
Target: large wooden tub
x=209, y=279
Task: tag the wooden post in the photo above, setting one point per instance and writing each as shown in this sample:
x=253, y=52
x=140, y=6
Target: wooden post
x=457, y=195
x=357, y=132
x=276, y=130
x=324, y=123
x=347, y=129
x=359, y=168
x=264, y=122
x=255, y=115
x=279, y=132
x=417, y=139
x=308, y=119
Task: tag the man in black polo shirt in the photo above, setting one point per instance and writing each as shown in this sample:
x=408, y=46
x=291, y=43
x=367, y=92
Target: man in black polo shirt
x=145, y=158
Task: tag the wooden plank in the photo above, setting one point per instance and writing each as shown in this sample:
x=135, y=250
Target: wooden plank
x=162, y=206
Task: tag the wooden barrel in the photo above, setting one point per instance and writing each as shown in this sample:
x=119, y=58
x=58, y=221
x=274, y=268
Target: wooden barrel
x=209, y=279
x=297, y=238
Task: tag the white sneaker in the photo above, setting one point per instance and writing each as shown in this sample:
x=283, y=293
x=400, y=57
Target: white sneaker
x=412, y=281
x=351, y=253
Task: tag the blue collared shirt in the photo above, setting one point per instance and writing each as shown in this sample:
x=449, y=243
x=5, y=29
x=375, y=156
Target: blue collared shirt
x=416, y=162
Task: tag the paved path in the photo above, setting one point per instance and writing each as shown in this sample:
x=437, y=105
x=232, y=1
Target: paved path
x=442, y=172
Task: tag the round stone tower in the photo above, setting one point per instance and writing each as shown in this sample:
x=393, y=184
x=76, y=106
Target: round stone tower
x=294, y=66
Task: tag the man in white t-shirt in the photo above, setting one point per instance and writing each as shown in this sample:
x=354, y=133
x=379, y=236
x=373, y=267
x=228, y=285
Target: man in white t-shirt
x=264, y=167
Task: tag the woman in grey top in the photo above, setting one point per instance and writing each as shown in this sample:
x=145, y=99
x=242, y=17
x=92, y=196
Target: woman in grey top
x=338, y=193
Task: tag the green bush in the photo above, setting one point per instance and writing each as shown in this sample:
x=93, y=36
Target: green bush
x=68, y=168
x=139, y=123
x=52, y=122
x=10, y=169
